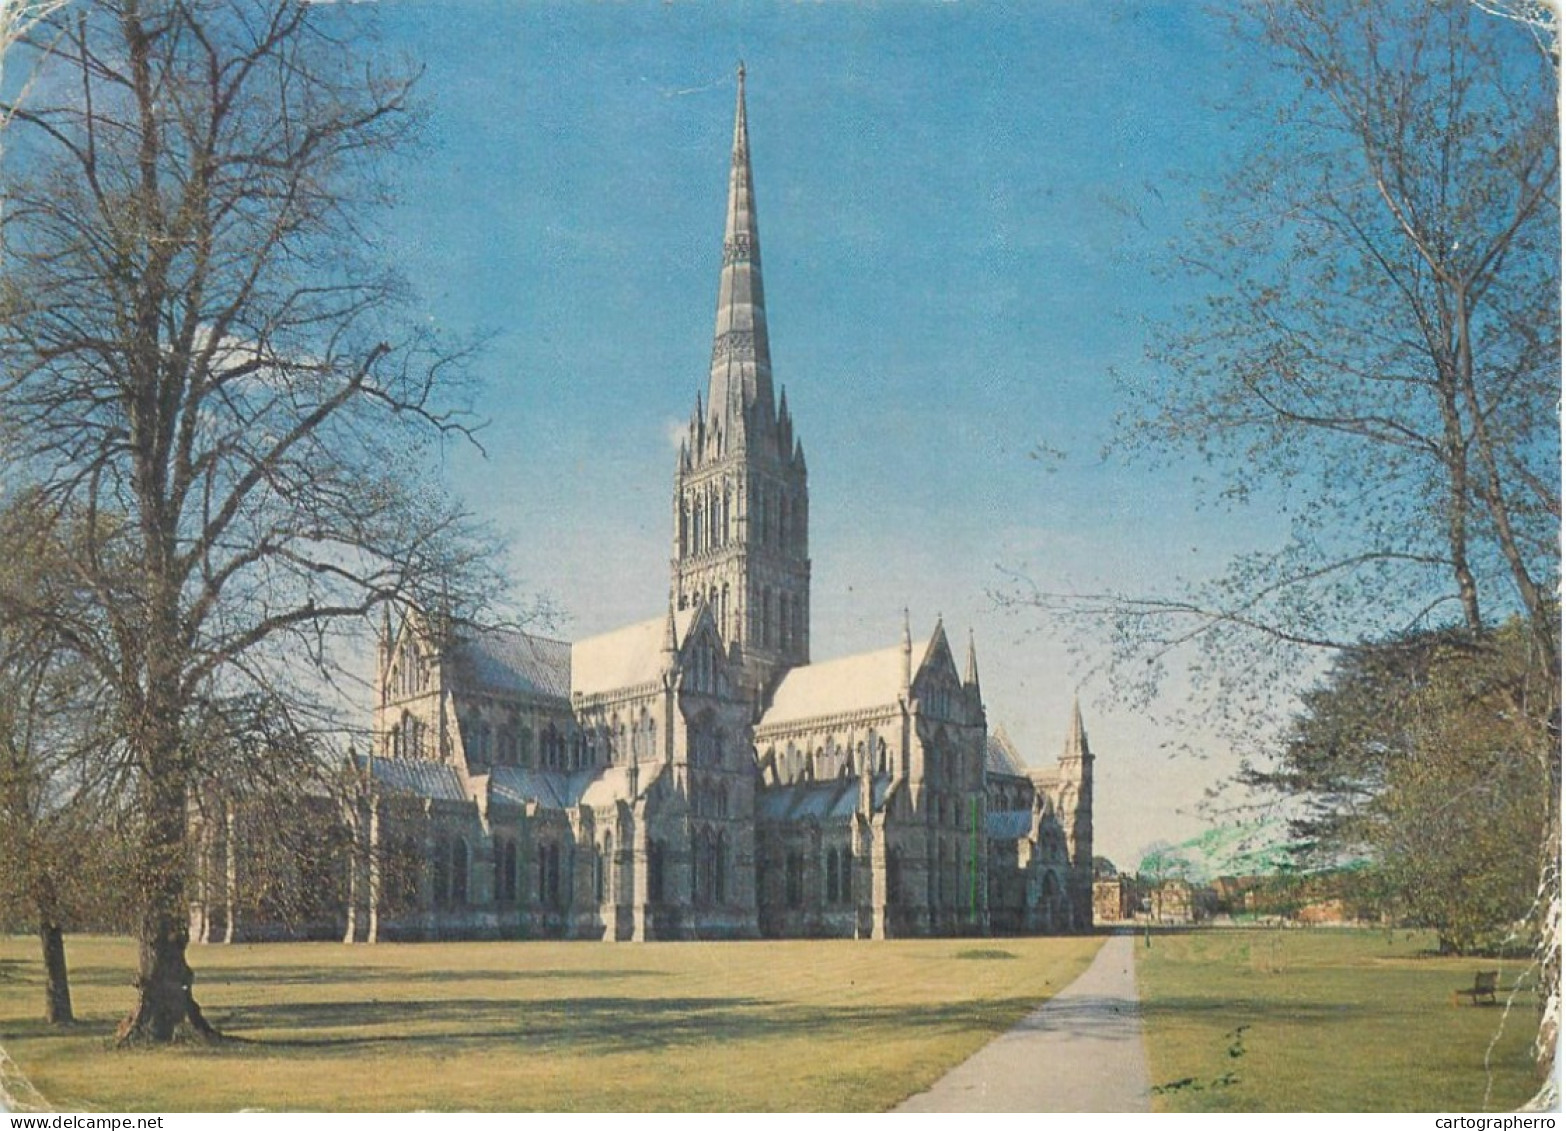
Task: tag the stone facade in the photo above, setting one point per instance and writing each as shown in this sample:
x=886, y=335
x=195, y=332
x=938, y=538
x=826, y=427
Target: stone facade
x=1114, y=900
x=696, y=775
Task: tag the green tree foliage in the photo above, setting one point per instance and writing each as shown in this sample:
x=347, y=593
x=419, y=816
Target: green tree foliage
x=1436, y=760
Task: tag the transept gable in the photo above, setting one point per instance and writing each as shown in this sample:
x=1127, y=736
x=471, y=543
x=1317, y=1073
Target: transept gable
x=702, y=659
x=935, y=683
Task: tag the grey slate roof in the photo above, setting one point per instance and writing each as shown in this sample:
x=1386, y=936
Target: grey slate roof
x=510, y=662
x=1008, y=824
x=415, y=777
x=553, y=789
x=1001, y=757
x=831, y=800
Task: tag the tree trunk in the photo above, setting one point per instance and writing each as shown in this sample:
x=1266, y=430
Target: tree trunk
x=57, y=984
x=164, y=978
x=230, y=872
x=374, y=931
x=351, y=819
x=164, y=985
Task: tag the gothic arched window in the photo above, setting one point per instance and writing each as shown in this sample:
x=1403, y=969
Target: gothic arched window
x=794, y=879
x=655, y=872
x=442, y=885
x=459, y=871
x=505, y=871
x=549, y=875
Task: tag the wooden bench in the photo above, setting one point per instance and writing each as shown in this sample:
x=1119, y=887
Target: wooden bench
x=1484, y=985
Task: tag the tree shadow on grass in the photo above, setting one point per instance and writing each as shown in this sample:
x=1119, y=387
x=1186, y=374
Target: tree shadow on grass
x=326, y=975
x=1085, y=1017
x=584, y=1026
x=31, y=974
x=17, y=1029
x=1250, y=1008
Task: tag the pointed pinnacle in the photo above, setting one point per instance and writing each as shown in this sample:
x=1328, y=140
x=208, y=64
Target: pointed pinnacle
x=670, y=641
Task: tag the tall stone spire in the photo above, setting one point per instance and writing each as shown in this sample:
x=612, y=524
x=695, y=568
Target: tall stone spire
x=1076, y=775
x=1076, y=749
x=741, y=359
x=741, y=501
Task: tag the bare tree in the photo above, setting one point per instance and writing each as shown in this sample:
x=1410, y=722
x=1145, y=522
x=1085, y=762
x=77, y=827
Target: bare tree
x=1372, y=348
x=60, y=773
x=17, y=20
x=1377, y=338
x=198, y=339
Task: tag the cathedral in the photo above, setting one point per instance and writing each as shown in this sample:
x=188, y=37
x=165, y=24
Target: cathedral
x=697, y=775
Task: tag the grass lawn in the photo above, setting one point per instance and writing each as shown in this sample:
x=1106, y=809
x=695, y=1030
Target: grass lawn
x=1327, y=1020
x=819, y=1025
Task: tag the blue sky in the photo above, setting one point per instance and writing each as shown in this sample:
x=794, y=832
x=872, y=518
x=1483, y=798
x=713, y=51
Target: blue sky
x=961, y=206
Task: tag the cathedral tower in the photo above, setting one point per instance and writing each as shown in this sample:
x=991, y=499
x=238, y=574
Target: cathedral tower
x=741, y=512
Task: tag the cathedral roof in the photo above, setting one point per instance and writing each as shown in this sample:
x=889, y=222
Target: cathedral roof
x=510, y=662
x=554, y=789
x=838, y=798
x=415, y=777
x=1008, y=824
x=837, y=687
x=1001, y=757
x=626, y=657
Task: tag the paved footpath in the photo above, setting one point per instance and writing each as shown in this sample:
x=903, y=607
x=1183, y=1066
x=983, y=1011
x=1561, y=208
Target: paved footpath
x=1079, y=1051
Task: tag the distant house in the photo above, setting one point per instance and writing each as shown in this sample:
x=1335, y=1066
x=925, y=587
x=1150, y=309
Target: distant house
x=1114, y=900
x=1174, y=901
